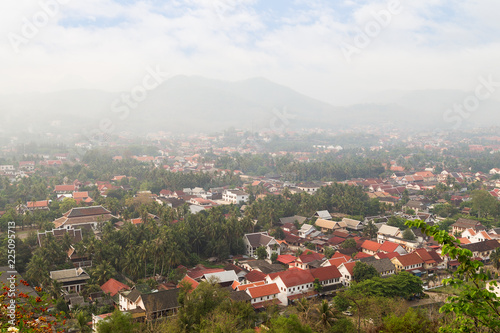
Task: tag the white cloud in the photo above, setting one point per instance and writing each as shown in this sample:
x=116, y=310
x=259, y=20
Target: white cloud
x=104, y=44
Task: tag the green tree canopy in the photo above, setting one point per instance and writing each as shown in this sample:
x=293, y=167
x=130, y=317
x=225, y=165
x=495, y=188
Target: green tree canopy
x=363, y=271
x=476, y=308
x=261, y=253
x=349, y=243
x=118, y=322
x=408, y=235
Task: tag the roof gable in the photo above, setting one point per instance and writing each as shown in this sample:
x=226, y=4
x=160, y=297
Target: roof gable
x=259, y=239
x=113, y=286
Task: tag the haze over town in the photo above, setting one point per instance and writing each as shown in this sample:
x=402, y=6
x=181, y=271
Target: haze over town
x=373, y=61
x=249, y=166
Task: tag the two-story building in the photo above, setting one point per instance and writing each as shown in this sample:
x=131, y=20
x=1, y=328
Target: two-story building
x=408, y=262
x=482, y=250
x=262, y=294
x=255, y=240
x=309, y=259
x=384, y=266
x=463, y=224
x=72, y=280
x=292, y=284
x=347, y=272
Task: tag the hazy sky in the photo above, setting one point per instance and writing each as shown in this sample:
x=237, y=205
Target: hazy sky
x=49, y=45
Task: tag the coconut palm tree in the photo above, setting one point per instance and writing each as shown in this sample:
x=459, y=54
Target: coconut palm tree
x=325, y=313
x=55, y=289
x=143, y=251
x=81, y=322
x=102, y=273
x=37, y=270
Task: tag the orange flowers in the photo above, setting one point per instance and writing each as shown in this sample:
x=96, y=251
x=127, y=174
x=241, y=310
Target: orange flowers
x=27, y=312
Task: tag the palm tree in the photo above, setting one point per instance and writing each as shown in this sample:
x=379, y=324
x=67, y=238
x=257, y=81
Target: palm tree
x=157, y=250
x=37, y=270
x=143, y=251
x=81, y=322
x=102, y=272
x=55, y=289
x=325, y=313
x=130, y=263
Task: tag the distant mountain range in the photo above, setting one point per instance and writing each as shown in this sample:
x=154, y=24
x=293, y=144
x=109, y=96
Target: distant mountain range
x=197, y=104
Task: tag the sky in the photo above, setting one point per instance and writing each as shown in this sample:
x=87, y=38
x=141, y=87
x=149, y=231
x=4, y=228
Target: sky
x=341, y=52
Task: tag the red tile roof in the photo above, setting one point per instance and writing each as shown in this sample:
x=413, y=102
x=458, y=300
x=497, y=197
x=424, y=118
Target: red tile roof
x=113, y=286
x=349, y=266
x=326, y=273
x=293, y=277
x=235, y=285
x=264, y=290
x=336, y=240
x=425, y=256
x=193, y=283
x=390, y=255
x=437, y=258
x=370, y=245
x=286, y=258
x=388, y=246
x=38, y=204
x=360, y=255
x=65, y=188
x=309, y=256
x=410, y=259
x=136, y=221
x=250, y=285
x=254, y=276
x=464, y=240
x=80, y=195
x=337, y=261
x=340, y=255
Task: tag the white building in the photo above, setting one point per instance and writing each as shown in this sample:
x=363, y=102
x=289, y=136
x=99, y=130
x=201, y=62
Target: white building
x=72, y=280
x=255, y=240
x=291, y=283
x=305, y=230
x=234, y=196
